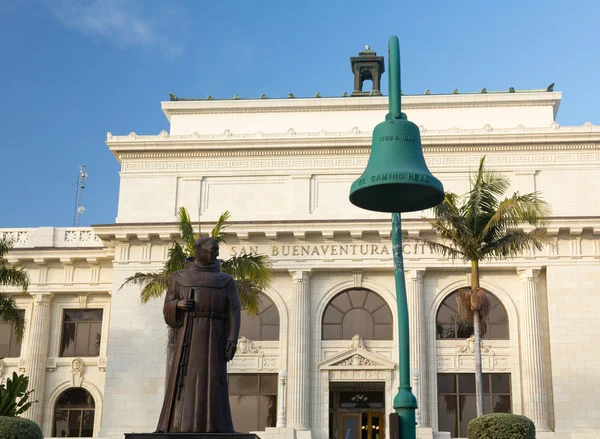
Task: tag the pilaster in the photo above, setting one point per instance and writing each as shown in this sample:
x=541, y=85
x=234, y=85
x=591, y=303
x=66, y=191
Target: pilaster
x=37, y=352
x=418, y=362
x=299, y=353
x=534, y=398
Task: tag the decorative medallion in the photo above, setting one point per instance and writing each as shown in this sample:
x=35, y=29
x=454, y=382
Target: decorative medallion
x=246, y=346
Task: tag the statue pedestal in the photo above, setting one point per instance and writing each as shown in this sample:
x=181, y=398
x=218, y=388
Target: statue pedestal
x=190, y=436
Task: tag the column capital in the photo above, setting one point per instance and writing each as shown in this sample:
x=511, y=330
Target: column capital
x=299, y=276
x=415, y=275
x=42, y=298
x=528, y=274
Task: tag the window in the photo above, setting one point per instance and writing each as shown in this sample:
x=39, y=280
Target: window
x=253, y=401
x=265, y=325
x=359, y=312
x=74, y=414
x=448, y=327
x=457, y=403
x=82, y=329
x=10, y=347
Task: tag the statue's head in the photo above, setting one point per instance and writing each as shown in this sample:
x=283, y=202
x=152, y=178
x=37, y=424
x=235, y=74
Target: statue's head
x=206, y=250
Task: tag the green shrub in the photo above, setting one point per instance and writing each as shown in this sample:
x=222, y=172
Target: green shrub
x=501, y=426
x=14, y=396
x=19, y=428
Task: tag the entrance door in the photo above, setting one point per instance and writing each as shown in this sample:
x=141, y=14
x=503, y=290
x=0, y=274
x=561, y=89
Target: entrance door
x=361, y=425
x=351, y=426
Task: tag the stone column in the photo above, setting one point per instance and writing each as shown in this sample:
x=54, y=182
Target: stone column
x=534, y=396
x=37, y=352
x=298, y=415
x=414, y=292
x=281, y=419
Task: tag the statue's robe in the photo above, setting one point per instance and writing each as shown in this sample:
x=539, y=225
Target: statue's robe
x=197, y=396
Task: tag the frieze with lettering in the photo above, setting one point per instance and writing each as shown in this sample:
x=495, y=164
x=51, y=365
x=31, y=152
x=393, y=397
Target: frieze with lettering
x=282, y=251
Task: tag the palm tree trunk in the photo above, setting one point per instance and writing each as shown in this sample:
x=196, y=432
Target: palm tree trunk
x=477, y=333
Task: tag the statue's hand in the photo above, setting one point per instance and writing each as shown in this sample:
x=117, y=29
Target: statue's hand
x=185, y=304
x=230, y=349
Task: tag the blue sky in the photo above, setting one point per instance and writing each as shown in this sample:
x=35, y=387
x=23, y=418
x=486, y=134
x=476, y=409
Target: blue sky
x=72, y=70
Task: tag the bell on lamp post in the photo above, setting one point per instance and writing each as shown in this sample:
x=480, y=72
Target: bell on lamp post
x=397, y=180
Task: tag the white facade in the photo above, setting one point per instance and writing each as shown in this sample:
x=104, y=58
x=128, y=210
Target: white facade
x=283, y=167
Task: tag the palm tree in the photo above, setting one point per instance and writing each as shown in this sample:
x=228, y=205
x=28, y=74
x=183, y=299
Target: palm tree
x=14, y=276
x=252, y=273
x=478, y=226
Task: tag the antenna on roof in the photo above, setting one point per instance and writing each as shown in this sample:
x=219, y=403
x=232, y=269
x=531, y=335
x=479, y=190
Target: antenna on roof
x=79, y=209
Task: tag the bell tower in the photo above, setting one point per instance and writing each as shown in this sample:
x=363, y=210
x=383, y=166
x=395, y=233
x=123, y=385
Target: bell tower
x=367, y=66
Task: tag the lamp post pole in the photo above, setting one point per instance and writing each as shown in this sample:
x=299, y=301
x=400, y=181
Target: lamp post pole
x=405, y=402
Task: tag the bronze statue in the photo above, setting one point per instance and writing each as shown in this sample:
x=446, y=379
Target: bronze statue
x=203, y=306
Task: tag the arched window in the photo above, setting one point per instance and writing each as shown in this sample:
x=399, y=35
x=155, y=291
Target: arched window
x=448, y=327
x=265, y=325
x=74, y=414
x=359, y=312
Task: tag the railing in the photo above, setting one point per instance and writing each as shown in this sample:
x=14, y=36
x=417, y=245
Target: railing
x=52, y=237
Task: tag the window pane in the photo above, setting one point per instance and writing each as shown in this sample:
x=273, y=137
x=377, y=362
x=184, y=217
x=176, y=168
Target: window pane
x=270, y=316
x=357, y=298
x=95, y=339
x=74, y=423
x=75, y=398
x=383, y=332
x=357, y=321
x=332, y=332
x=250, y=327
x=447, y=414
x=486, y=383
x=498, y=331
x=466, y=383
x=445, y=331
x=342, y=302
x=5, y=336
x=268, y=384
x=265, y=302
x=243, y=384
x=270, y=332
x=79, y=315
x=60, y=423
x=15, y=346
x=87, y=428
x=332, y=315
x=467, y=410
x=498, y=314
x=500, y=383
x=267, y=416
x=244, y=412
x=68, y=339
x=501, y=404
x=445, y=314
x=446, y=383
x=82, y=339
x=373, y=302
x=464, y=331
x=383, y=315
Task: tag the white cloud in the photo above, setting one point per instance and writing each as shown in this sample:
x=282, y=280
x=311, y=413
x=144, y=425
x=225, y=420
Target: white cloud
x=120, y=21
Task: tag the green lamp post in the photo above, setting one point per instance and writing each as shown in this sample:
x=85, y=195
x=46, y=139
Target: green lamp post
x=397, y=180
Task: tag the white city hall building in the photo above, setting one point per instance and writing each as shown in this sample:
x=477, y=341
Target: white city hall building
x=321, y=358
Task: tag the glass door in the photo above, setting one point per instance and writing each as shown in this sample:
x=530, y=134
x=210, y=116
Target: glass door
x=350, y=426
x=375, y=425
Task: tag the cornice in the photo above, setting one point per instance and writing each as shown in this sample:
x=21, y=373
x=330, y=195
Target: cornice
x=301, y=105
x=354, y=142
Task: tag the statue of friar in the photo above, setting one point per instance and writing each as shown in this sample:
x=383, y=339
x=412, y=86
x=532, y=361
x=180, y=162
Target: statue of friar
x=203, y=306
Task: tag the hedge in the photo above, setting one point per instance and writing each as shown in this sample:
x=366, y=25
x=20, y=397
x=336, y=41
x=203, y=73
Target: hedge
x=501, y=426
x=19, y=428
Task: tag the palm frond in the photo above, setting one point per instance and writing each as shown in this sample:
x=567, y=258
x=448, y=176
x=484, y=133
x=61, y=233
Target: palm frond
x=249, y=296
x=15, y=276
x=153, y=284
x=513, y=212
x=176, y=257
x=218, y=231
x=437, y=247
x=6, y=245
x=514, y=243
x=185, y=227
x=250, y=268
x=10, y=312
